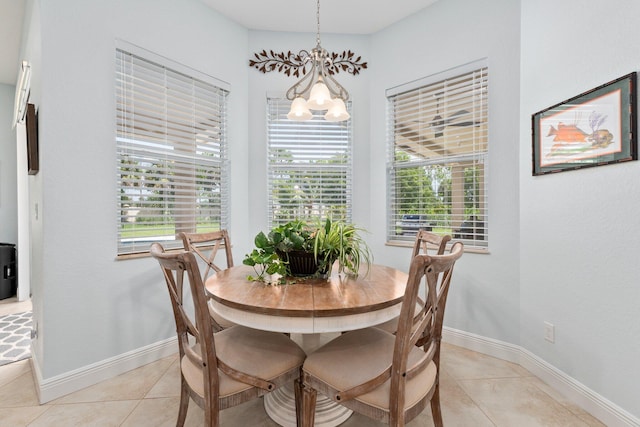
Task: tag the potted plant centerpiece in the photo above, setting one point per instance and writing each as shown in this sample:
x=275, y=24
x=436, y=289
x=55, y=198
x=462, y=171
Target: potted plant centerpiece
x=339, y=241
x=300, y=249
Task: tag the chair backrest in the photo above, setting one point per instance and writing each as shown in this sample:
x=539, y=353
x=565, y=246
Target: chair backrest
x=425, y=240
x=175, y=266
x=428, y=243
x=206, y=246
x=437, y=270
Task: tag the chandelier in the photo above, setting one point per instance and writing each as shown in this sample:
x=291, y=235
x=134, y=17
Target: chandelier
x=318, y=89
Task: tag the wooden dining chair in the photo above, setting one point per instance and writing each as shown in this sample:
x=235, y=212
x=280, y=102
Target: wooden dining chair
x=229, y=367
x=207, y=246
x=383, y=376
x=425, y=243
x=426, y=240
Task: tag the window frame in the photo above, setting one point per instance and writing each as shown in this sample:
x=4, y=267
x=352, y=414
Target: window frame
x=171, y=131
x=281, y=133
x=466, y=197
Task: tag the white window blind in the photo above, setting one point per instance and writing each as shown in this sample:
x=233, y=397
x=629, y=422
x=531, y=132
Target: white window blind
x=438, y=152
x=309, y=166
x=171, y=152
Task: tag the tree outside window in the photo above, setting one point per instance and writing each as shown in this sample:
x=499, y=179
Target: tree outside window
x=438, y=141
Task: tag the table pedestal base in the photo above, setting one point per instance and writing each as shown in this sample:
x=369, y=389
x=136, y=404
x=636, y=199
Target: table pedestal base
x=281, y=404
x=281, y=408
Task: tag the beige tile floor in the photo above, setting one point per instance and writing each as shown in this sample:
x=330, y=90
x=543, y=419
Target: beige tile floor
x=476, y=390
x=12, y=306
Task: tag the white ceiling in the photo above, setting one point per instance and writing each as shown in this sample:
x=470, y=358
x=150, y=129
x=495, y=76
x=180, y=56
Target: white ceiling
x=336, y=16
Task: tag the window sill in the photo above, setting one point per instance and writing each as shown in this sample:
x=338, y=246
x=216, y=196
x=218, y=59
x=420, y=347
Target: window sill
x=145, y=254
x=133, y=256
x=409, y=244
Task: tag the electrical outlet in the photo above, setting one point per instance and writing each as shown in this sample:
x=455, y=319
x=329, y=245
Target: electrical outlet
x=549, y=332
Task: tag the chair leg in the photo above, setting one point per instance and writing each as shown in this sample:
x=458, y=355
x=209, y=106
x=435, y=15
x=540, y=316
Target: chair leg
x=211, y=409
x=297, y=388
x=309, y=396
x=436, y=413
x=184, y=403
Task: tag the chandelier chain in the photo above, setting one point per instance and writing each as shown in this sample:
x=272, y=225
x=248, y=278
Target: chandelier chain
x=318, y=22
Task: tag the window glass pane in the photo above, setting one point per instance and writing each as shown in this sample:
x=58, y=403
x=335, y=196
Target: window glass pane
x=309, y=166
x=438, y=152
x=171, y=154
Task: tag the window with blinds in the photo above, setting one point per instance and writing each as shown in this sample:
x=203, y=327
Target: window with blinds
x=309, y=166
x=438, y=152
x=171, y=152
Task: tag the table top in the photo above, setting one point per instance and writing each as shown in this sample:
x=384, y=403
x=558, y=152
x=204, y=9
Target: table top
x=334, y=304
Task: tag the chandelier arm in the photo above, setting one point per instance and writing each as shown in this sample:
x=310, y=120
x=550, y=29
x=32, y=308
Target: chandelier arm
x=335, y=88
x=302, y=86
x=325, y=64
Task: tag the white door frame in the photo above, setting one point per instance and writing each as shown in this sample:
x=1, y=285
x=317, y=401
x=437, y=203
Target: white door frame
x=24, y=224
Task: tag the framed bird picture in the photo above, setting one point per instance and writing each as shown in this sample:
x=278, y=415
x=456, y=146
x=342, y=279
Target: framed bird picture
x=595, y=128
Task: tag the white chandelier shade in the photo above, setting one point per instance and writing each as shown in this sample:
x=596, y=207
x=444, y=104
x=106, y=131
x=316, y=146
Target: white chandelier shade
x=299, y=110
x=319, y=98
x=337, y=112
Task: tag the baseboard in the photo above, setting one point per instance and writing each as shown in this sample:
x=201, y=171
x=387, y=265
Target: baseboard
x=601, y=408
x=484, y=345
x=60, y=385
x=606, y=411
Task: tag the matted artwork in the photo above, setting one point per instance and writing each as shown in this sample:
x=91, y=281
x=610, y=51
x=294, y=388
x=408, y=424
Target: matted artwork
x=594, y=128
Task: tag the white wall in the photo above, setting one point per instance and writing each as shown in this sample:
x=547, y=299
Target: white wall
x=485, y=296
x=579, y=230
x=95, y=307
x=8, y=184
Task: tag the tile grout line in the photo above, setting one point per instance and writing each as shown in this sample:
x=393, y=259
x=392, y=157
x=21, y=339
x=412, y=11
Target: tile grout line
x=169, y=366
x=131, y=412
x=480, y=408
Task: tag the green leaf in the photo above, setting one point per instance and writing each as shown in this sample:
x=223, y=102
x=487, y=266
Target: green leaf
x=297, y=241
x=249, y=261
x=261, y=241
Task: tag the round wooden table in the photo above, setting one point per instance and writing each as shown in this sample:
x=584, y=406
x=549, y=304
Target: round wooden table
x=309, y=307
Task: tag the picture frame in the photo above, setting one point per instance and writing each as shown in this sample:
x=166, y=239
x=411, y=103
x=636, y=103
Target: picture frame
x=595, y=128
x=31, y=122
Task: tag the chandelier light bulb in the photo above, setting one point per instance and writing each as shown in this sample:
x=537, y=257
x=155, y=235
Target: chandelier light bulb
x=320, y=98
x=299, y=110
x=337, y=112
